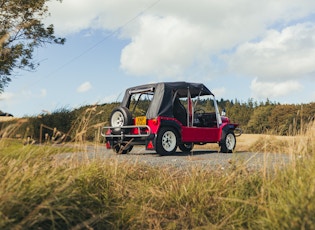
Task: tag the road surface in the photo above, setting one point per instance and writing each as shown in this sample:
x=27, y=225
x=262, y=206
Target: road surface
x=203, y=158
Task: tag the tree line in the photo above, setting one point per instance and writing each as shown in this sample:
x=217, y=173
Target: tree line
x=270, y=117
x=86, y=122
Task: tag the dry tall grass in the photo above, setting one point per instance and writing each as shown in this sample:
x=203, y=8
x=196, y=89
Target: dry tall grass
x=36, y=192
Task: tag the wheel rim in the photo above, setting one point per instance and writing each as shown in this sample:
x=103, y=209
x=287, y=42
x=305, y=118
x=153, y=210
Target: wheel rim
x=117, y=119
x=169, y=141
x=230, y=141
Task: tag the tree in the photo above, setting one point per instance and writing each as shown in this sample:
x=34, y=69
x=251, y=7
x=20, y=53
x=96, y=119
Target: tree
x=22, y=30
x=259, y=121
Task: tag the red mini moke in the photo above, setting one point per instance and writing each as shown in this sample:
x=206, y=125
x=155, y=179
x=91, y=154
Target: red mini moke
x=166, y=115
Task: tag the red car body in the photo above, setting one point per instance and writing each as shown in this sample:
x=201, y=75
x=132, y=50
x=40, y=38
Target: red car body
x=166, y=123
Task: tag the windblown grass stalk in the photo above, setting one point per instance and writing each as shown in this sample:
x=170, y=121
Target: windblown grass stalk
x=290, y=194
x=37, y=192
x=300, y=144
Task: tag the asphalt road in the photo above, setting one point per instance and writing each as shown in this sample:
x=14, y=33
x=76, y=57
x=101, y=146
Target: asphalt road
x=199, y=157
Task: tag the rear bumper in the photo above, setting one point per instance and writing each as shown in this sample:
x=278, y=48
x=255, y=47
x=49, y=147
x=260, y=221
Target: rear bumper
x=136, y=131
x=137, y=135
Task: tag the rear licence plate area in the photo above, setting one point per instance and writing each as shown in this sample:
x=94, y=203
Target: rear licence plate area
x=142, y=120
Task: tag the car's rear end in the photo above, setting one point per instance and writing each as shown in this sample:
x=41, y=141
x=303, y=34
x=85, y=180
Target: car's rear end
x=139, y=131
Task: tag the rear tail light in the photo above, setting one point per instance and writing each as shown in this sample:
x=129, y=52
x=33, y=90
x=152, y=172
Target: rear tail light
x=154, y=121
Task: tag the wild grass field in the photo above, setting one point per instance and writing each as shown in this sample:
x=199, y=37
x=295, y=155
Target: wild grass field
x=38, y=193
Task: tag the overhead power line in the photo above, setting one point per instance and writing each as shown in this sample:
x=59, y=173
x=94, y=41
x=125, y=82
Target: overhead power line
x=89, y=49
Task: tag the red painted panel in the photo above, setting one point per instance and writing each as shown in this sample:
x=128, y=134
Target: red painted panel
x=154, y=124
x=197, y=134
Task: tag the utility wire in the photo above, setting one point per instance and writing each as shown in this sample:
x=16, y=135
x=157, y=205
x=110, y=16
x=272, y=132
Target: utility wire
x=100, y=42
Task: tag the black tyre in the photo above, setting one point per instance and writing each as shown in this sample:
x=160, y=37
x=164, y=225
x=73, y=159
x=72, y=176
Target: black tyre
x=122, y=148
x=228, y=142
x=120, y=116
x=186, y=147
x=166, y=141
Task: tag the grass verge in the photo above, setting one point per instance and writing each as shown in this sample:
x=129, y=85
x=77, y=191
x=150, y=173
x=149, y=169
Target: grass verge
x=38, y=193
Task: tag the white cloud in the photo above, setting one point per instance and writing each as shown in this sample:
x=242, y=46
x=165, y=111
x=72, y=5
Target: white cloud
x=246, y=15
x=72, y=16
x=273, y=90
x=163, y=47
x=171, y=36
x=288, y=54
x=271, y=41
x=84, y=87
x=6, y=96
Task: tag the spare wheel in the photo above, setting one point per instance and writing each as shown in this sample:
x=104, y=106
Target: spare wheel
x=119, y=117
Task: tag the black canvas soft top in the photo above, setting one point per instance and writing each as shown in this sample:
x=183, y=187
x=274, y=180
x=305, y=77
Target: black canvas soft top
x=162, y=103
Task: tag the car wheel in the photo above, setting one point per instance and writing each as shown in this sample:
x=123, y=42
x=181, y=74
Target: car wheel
x=228, y=142
x=120, y=116
x=186, y=147
x=166, y=142
x=122, y=148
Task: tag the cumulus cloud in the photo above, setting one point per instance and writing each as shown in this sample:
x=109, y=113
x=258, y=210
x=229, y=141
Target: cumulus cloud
x=170, y=37
x=271, y=42
x=163, y=47
x=263, y=90
x=84, y=87
x=288, y=54
x=72, y=16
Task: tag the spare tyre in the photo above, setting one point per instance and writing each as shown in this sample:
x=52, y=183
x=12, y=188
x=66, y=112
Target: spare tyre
x=120, y=116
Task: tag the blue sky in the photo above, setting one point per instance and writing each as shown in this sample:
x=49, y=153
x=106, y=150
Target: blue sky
x=240, y=49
